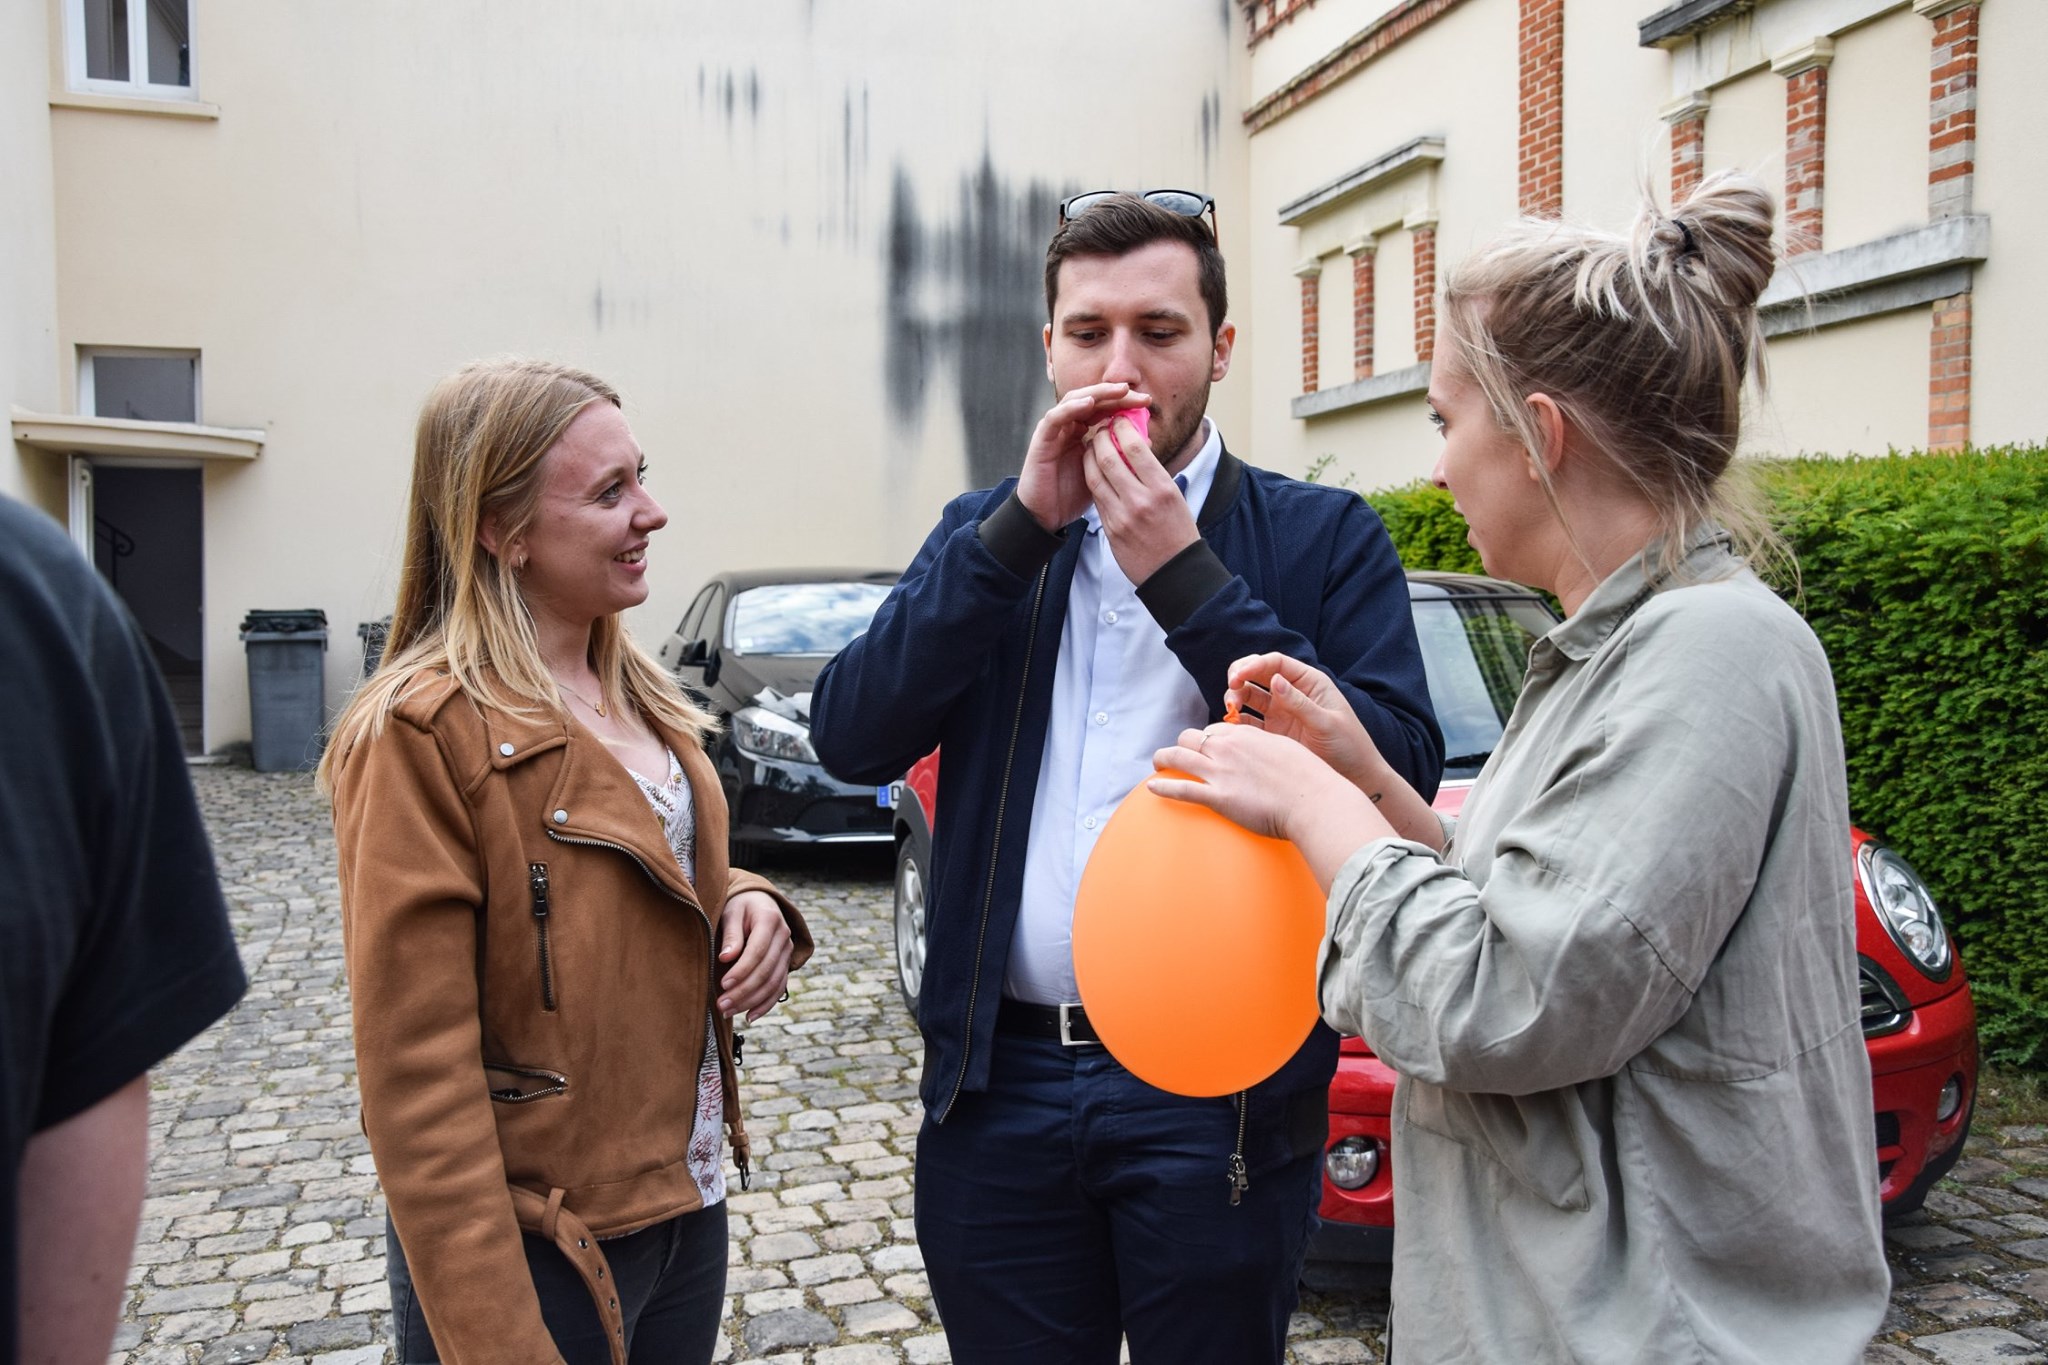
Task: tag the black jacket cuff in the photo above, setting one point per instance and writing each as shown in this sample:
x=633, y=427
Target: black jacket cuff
x=1016, y=539
x=1182, y=584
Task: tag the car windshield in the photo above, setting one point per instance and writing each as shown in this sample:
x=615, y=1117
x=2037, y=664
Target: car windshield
x=803, y=618
x=1474, y=653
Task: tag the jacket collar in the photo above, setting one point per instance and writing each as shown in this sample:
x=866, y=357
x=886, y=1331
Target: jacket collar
x=1709, y=555
x=595, y=800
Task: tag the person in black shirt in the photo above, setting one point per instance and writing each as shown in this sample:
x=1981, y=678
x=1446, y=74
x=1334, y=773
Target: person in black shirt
x=114, y=941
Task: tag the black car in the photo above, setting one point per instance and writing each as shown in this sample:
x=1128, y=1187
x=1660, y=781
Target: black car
x=748, y=650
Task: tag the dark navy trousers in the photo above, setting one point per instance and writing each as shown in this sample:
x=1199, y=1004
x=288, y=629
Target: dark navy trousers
x=1071, y=1204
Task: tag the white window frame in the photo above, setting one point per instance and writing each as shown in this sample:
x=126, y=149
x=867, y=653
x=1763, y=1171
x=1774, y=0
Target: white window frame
x=138, y=85
x=88, y=390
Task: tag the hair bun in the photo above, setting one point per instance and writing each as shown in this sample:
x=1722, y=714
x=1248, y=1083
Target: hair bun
x=1719, y=238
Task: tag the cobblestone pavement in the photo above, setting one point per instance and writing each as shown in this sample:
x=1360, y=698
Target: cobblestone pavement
x=262, y=1239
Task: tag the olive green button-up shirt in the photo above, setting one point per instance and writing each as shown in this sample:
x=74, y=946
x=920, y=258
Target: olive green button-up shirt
x=1633, y=1120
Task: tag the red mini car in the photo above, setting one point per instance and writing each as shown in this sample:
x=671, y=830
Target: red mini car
x=1918, y=1022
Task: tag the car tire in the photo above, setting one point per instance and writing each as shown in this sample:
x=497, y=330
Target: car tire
x=910, y=923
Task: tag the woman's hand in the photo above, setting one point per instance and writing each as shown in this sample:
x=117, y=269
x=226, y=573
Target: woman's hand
x=757, y=945
x=1303, y=704
x=1275, y=787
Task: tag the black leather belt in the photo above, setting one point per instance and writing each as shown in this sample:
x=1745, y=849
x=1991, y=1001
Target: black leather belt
x=1066, y=1023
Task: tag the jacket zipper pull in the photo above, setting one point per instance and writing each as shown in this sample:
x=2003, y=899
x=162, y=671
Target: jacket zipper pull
x=1239, y=1180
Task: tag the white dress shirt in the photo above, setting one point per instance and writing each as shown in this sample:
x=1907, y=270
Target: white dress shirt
x=1118, y=695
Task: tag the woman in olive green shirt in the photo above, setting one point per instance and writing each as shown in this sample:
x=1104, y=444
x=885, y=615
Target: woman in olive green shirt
x=1632, y=1121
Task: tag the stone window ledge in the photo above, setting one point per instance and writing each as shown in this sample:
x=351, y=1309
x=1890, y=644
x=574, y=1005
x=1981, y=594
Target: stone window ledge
x=1892, y=273
x=135, y=104
x=114, y=436
x=1361, y=393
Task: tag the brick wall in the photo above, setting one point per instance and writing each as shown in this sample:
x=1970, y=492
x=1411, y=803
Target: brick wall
x=1541, y=181
x=1361, y=311
x=1952, y=113
x=1688, y=154
x=1311, y=338
x=1948, y=375
x=1425, y=292
x=1806, y=135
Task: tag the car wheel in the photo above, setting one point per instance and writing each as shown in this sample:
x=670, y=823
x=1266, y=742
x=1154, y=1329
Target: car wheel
x=743, y=853
x=910, y=925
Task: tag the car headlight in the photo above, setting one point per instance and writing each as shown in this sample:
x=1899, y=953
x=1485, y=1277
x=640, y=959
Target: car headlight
x=1352, y=1162
x=760, y=731
x=1905, y=908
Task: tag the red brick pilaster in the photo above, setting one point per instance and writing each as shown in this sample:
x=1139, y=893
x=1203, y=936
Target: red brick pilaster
x=1362, y=255
x=1952, y=106
x=1688, y=120
x=1805, y=69
x=1541, y=181
x=1311, y=274
x=1948, y=375
x=1425, y=290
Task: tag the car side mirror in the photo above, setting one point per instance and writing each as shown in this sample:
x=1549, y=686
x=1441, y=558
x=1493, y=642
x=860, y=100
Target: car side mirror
x=695, y=654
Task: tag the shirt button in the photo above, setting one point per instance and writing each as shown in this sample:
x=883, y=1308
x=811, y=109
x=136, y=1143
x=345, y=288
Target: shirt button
x=505, y=749
x=561, y=817
x=1110, y=617
x=1102, y=717
x=1089, y=823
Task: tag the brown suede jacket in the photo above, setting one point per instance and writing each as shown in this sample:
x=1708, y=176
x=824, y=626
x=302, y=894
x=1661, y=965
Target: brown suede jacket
x=531, y=979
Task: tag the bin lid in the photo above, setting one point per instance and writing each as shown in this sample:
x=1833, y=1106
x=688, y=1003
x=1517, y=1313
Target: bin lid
x=295, y=622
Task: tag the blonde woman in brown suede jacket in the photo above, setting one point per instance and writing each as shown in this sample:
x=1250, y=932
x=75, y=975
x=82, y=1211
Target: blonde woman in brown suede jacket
x=546, y=949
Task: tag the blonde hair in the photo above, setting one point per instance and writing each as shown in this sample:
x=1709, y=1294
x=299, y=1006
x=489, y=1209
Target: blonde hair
x=1644, y=340
x=477, y=454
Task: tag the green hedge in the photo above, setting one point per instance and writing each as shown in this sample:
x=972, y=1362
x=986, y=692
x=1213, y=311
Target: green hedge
x=1926, y=578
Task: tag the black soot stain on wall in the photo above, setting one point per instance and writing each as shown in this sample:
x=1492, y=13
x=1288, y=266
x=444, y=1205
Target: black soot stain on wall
x=968, y=291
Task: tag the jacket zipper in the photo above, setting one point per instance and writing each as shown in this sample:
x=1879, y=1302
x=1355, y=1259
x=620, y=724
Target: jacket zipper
x=710, y=942
x=995, y=845
x=537, y=879
x=556, y=1084
x=1239, y=1181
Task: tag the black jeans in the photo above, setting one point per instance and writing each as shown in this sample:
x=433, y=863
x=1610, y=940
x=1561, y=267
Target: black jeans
x=671, y=1280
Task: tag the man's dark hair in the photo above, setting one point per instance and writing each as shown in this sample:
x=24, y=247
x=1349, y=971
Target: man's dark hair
x=1119, y=226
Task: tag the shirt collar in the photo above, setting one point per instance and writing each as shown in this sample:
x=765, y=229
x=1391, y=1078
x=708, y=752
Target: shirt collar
x=1194, y=480
x=1709, y=555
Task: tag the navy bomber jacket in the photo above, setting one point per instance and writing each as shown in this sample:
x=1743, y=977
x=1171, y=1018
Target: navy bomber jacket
x=961, y=655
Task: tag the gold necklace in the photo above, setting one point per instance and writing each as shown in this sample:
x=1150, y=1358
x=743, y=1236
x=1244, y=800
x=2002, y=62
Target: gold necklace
x=580, y=697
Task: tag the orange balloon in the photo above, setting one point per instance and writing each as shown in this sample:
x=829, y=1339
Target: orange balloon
x=1195, y=946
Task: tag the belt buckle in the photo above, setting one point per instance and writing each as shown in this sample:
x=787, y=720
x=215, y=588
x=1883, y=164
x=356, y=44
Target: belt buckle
x=1067, y=1038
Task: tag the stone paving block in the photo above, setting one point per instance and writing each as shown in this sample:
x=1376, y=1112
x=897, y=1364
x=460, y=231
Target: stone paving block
x=842, y=1292
x=239, y=1348
x=1958, y=1301
x=928, y=1350
x=177, y=1328
x=215, y=1295
x=1982, y=1346
x=1336, y=1351
x=863, y=1319
x=286, y=1312
x=871, y=1354
x=786, y=1327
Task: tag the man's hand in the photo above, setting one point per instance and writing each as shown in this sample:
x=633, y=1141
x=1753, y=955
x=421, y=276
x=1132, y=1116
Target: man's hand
x=1053, y=485
x=757, y=948
x=1143, y=513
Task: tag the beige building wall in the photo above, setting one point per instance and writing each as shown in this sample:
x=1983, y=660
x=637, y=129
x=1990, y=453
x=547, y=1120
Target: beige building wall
x=1877, y=104
x=28, y=280
x=1856, y=389
x=1615, y=146
x=803, y=237
x=1468, y=57
x=2009, y=400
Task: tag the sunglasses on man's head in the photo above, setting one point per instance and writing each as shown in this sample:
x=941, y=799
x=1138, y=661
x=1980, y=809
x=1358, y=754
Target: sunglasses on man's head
x=1186, y=203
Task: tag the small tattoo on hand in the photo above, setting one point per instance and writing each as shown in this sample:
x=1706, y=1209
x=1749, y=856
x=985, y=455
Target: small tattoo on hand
x=1375, y=796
